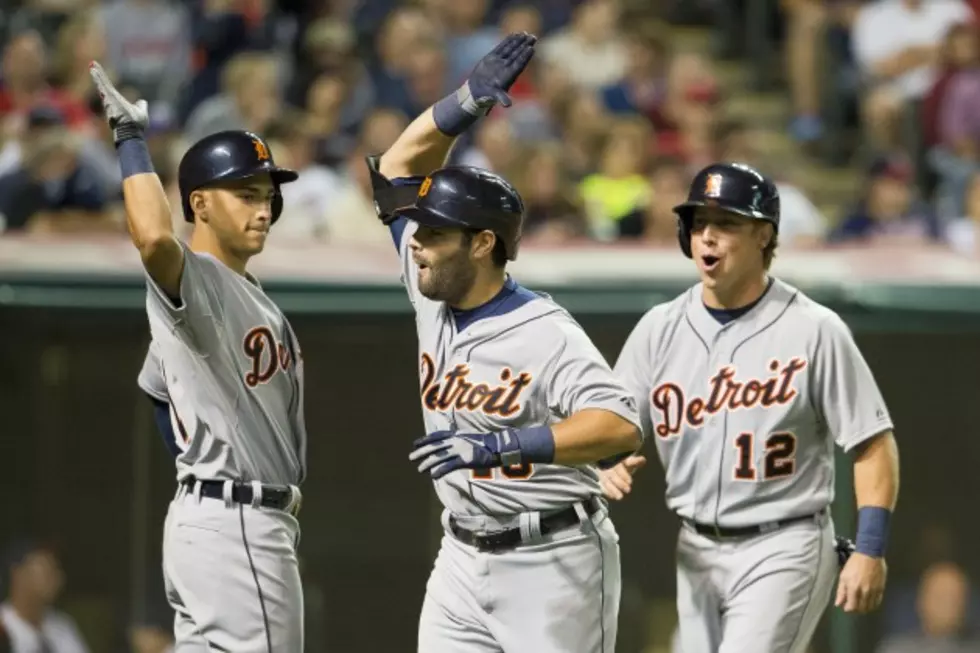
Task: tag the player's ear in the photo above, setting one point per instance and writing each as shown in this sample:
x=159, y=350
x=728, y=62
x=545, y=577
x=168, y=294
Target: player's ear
x=482, y=244
x=199, y=205
x=764, y=234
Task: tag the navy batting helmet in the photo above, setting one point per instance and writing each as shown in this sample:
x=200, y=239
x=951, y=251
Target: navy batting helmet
x=470, y=198
x=229, y=156
x=733, y=187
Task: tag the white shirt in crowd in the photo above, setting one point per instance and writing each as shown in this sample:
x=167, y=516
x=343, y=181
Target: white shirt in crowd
x=885, y=28
x=57, y=630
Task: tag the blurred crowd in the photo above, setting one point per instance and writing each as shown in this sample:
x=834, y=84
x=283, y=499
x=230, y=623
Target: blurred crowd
x=607, y=127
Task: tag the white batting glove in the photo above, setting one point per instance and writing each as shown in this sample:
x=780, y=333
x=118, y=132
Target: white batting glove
x=127, y=119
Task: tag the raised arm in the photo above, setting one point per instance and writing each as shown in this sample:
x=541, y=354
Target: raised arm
x=425, y=144
x=148, y=215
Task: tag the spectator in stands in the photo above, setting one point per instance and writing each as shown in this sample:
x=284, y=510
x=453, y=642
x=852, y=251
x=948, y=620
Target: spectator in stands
x=687, y=111
x=643, y=87
x=345, y=195
x=963, y=233
x=427, y=74
x=25, y=70
x=801, y=223
x=329, y=50
x=148, y=45
x=494, y=147
x=669, y=183
x=537, y=117
x=54, y=188
x=942, y=607
x=521, y=17
x=469, y=38
x=552, y=211
x=222, y=29
x=807, y=23
x=616, y=195
x=889, y=212
x=959, y=52
x=394, y=45
x=896, y=44
x=33, y=580
x=249, y=98
x=956, y=155
x=80, y=41
x=583, y=124
x=590, y=51
x=306, y=201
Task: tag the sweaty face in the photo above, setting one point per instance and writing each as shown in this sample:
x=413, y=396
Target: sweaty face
x=446, y=270
x=239, y=213
x=727, y=247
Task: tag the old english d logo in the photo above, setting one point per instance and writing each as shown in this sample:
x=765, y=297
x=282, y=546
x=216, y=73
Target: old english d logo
x=261, y=151
x=426, y=185
x=712, y=185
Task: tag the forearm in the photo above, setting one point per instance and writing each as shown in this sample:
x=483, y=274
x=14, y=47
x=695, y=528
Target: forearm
x=876, y=473
x=586, y=437
x=148, y=216
x=420, y=149
x=876, y=482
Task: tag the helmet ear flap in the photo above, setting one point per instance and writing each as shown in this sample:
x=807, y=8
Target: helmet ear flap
x=684, y=233
x=276, y=205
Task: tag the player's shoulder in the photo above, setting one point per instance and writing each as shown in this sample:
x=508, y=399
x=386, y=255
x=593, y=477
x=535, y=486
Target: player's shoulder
x=669, y=312
x=810, y=313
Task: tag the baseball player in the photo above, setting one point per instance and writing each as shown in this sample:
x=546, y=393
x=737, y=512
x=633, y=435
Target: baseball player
x=517, y=403
x=745, y=384
x=225, y=364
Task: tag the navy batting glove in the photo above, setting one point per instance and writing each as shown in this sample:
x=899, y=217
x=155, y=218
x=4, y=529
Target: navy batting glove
x=493, y=75
x=442, y=452
x=486, y=86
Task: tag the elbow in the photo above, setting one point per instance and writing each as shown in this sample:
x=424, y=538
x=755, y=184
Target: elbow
x=623, y=436
x=155, y=246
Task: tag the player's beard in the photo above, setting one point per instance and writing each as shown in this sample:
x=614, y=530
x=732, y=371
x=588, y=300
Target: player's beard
x=450, y=280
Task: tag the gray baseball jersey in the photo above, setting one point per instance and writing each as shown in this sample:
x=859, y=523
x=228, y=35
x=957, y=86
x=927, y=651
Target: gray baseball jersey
x=529, y=366
x=745, y=415
x=229, y=365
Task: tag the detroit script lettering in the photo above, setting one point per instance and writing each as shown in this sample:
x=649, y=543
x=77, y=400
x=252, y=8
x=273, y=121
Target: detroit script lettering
x=266, y=356
x=455, y=389
x=725, y=393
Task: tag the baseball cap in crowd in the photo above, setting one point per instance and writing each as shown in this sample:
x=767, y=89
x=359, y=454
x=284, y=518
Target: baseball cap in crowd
x=44, y=115
x=893, y=166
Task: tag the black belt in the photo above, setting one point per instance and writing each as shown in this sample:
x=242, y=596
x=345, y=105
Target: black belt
x=710, y=530
x=511, y=538
x=278, y=497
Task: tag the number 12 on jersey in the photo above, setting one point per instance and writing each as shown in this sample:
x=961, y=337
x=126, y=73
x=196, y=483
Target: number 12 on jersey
x=779, y=461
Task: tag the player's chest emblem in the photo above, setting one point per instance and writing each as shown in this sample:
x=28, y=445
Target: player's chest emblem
x=455, y=389
x=673, y=407
x=264, y=355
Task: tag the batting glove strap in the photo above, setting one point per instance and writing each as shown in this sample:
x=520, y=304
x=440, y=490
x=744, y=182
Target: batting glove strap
x=124, y=131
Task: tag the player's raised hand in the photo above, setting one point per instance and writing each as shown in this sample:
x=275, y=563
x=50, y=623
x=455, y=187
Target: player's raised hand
x=120, y=113
x=861, y=585
x=493, y=75
x=617, y=481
